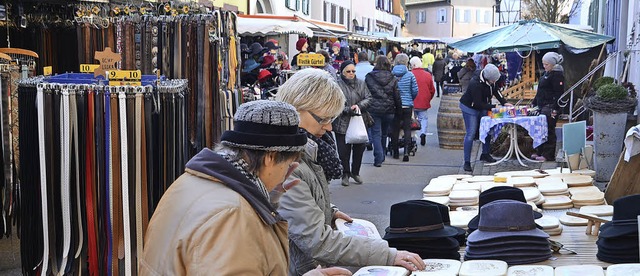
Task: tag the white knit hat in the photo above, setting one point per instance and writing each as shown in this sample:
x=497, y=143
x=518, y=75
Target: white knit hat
x=491, y=73
x=415, y=62
x=552, y=58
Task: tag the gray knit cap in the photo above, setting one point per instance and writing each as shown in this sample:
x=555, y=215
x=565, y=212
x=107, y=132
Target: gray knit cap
x=265, y=125
x=491, y=73
x=552, y=58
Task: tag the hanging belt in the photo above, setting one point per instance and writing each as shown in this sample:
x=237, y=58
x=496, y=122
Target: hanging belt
x=65, y=171
x=43, y=179
x=89, y=194
x=138, y=172
x=122, y=96
x=116, y=189
x=150, y=152
x=73, y=123
x=108, y=196
x=143, y=168
x=119, y=41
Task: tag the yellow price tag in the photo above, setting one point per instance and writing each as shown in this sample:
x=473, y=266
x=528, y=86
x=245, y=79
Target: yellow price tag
x=88, y=68
x=130, y=75
x=47, y=70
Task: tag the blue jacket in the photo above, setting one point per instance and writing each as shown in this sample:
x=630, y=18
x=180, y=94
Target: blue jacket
x=407, y=84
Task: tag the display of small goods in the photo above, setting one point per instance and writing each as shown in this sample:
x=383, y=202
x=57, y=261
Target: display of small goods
x=510, y=111
x=382, y=270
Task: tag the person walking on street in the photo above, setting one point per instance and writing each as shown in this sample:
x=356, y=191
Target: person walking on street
x=385, y=102
x=438, y=73
x=475, y=103
x=220, y=216
x=358, y=97
x=408, y=88
x=550, y=88
x=307, y=206
x=422, y=102
x=363, y=67
x=466, y=73
x=428, y=59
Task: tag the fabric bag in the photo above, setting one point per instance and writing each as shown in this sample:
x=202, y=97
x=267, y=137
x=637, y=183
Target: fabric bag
x=356, y=131
x=415, y=124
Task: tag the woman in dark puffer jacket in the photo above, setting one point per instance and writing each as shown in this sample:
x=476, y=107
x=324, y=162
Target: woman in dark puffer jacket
x=385, y=102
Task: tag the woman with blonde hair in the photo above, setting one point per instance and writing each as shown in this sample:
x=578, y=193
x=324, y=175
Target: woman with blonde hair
x=307, y=206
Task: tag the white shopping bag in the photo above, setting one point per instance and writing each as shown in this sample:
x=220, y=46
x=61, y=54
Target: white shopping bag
x=356, y=131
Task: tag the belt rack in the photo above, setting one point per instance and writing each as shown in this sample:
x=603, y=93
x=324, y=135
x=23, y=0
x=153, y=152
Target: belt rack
x=99, y=160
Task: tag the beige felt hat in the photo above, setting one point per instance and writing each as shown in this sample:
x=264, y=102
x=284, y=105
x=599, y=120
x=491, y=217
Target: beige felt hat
x=463, y=185
x=480, y=178
x=553, y=188
x=444, y=200
x=572, y=221
x=530, y=270
x=456, y=176
x=598, y=210
x=521, y=181
x=461, y=218
x=441, y=267
x=580, y=180
x=548, y=222
x=582, y=270
x=531, y=173
x=483, y=268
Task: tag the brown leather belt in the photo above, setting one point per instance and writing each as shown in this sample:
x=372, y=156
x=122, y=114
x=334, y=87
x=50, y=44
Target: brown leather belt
x=116, y=189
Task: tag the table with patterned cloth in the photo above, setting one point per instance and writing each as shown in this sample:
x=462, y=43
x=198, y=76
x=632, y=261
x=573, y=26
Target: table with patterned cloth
x=535, y=125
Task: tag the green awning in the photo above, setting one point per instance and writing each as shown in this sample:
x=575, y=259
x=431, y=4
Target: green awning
x=530, y=35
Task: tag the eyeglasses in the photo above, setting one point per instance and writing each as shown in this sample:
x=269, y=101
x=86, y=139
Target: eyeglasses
x=350, y=71
x=320, y=120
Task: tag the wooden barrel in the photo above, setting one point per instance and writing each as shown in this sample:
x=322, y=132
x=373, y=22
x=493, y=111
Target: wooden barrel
x=450, y=123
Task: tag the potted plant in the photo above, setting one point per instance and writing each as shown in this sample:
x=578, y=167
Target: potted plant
x=610, y=106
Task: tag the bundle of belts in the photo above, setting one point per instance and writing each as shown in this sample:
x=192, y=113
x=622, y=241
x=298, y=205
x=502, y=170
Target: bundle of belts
x=97, y=164
x=202, y=48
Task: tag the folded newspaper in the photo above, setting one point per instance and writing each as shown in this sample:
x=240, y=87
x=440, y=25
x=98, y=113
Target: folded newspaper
x=359, y=227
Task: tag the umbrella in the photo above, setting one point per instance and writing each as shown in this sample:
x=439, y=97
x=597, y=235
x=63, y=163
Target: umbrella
x=530, y=35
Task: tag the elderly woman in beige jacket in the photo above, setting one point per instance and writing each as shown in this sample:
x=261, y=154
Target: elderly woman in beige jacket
x=307, y=207
x=219, y=217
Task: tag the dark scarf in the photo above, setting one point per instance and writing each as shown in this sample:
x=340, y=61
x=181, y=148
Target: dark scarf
x=327, y=155
x=350, y=82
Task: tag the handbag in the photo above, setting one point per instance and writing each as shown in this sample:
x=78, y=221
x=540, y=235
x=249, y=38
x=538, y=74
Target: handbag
x=356, y=131
x=368, y=119
x=415, y=124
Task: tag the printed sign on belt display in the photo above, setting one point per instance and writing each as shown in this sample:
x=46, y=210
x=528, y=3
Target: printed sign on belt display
x=316, y=60
x=125, y=77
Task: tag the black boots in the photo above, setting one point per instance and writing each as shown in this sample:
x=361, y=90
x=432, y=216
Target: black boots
x=487, y=158
x=405, y=158
x=423, y=139
x=467, y=167
x=396, y=153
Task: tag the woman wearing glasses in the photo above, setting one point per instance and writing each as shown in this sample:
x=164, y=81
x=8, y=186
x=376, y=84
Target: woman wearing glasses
x=307, y=207
x=357, y=100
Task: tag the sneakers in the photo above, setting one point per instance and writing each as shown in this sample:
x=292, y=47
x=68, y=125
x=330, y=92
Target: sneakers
x=357, y=178
x=345, y=179
x=377, y=165
x=405, y=158
x=423, y=139
x=467, y=167
x=487, y=158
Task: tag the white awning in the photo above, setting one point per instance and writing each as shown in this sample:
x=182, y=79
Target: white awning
x=270, y=26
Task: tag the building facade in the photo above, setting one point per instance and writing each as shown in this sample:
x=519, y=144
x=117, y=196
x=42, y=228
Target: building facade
x=449, y=18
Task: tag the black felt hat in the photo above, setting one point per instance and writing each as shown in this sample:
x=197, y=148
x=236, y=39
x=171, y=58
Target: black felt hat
x=412, y=220
x=625, y=218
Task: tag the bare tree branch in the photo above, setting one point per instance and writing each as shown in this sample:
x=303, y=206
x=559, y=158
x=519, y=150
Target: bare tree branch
x=553, y=11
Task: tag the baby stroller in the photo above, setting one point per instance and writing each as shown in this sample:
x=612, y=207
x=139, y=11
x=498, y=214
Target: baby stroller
x=413, y=148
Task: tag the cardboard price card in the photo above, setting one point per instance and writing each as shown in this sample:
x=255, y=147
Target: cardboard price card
x=88, y=68
x=125, y=77
x=316, y=60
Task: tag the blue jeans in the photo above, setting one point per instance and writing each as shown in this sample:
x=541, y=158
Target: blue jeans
x=379, y=134
x=421, y=115
x=471, y=124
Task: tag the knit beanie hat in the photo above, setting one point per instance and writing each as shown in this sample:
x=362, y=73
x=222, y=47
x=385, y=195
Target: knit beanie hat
x=415, y=62
x=491, y=73
x=552, y=58
x=344, y=64
x=265, y=125
x=300, y=43
x=336, y=44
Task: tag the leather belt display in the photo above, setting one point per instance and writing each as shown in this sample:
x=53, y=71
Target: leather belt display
x=109, y=185
x=43, y=178
x=92, y=245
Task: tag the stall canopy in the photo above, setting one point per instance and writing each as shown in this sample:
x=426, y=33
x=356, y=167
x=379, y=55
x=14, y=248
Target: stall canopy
x=530, y=35
x=272, y=26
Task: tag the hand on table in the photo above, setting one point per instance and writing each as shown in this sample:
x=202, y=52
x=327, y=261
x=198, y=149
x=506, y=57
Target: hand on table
x=408, y=260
